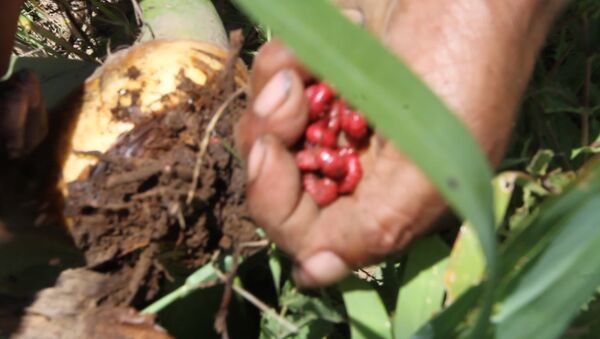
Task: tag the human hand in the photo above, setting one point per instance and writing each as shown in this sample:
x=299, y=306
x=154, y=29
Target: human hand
x=477, y=56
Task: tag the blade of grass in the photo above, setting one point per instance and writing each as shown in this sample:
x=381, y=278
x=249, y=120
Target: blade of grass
x=368, y=318
x=397, y=102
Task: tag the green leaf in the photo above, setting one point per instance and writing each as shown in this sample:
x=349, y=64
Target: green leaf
x=395, y=100
x=318, y=308
x=466, y=264
x=532, y=192
x=556, y=282
x=309, y=328
x=576, y=152
x=557, y=180
x=423, y=293
x=275, y=267
x=526, y=245
x=444, y=325
x=504, y=186
x=540, y=162
x=368, y=318
x=314, y=316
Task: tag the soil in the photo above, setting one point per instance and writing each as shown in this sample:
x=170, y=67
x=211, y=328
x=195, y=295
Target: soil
x=160, y=196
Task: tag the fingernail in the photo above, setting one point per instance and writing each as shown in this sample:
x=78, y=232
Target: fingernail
x=355, y=15
x=323, y=268
x=256, y=158
x=273, y=94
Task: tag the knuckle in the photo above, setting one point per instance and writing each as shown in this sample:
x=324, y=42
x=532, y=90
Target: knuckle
x=392, y=234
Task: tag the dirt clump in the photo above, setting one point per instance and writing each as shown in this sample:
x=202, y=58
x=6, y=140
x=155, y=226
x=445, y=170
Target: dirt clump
x=170, y=191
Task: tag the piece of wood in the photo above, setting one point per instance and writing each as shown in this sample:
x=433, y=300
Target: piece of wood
x=71, y=310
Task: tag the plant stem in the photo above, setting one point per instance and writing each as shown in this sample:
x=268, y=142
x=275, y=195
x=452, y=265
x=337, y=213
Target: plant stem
x=205, y=276
x=587, y=73
x=261, y=305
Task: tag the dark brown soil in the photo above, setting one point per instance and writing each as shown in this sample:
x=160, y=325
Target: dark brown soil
x=147, y=204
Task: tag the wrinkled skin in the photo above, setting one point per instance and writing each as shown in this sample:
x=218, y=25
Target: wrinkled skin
x=477, y=55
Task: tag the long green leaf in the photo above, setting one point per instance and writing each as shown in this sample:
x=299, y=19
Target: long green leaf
x=562, y=277
x=444, y=325
x=422, y=296
x=466, y=264
x=395, y=100
x=368, y=318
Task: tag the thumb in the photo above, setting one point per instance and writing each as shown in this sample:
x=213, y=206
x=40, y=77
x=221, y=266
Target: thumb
x=274, y=188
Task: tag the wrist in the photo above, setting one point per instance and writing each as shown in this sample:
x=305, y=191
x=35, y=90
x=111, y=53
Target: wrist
x=531, y=19
x=8, y=27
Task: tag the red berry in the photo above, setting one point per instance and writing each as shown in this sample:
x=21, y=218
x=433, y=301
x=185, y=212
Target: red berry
x=309, y=92
x=327, y=170
x=307, y=160
x=346, y=150
x=353, y=174
x=318, y=134
x=332, y=165
x=322, y=190
x=338, y=109
x=319, y=96
x=355, y=125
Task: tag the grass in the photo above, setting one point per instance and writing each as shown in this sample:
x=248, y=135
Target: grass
x=76, y=30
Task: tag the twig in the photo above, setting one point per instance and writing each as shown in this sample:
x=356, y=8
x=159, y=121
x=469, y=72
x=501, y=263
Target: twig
x=368, y=274
x=255, y=244
x=115, y=160
x=221, y=317
x=292, y=328
x=206, y=139
x=140, y=270
x=180, y=217
x=133, y=176
x=231, y=151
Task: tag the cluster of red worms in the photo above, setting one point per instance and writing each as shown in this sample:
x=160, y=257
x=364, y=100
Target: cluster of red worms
x=329, y=158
